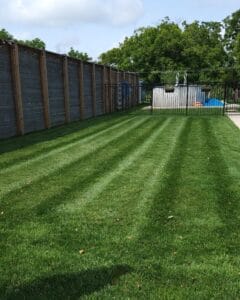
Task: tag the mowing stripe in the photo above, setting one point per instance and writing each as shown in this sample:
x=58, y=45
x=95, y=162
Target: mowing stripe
x=63, y=148
x=24, y=153
x=53, y=193
x=158, y=173
x=58, y=163
x=98, y=187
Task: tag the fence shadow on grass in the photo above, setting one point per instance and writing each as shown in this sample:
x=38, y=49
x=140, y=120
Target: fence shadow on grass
x=70, y=286
x=15, y=143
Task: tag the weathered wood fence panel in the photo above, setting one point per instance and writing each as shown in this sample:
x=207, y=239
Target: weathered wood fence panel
x=99, y=91
x=74, y=90
x=41, y=89
x=8, y=123
x=56, y=89
x=31, y=91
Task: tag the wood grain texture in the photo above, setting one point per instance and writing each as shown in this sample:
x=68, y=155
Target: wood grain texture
x=17, y=88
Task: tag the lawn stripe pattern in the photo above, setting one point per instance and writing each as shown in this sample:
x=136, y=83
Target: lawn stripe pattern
x=78, y=151
x=152, y=202
x=59, y=147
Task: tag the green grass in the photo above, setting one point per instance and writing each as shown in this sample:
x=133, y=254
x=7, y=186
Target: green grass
x=182, y=111
x=154, y=202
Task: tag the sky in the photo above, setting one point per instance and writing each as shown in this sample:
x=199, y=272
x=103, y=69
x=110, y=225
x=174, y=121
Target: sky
x=95, y=26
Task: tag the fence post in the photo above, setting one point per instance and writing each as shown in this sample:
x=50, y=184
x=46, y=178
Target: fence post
x=81, y=87
x=17, y=88
x=187, y=98
x=44, y=88
x=225, y=96
x=66, y=89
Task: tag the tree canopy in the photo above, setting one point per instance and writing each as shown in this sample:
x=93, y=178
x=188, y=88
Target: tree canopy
x=5, y=35
x=200, y=48
x=35, y=43
x=79, y=55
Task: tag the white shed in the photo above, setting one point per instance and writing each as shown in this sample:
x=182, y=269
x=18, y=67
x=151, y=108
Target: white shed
x=178, y=98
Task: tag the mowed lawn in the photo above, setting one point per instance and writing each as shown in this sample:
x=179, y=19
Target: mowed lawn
x=122, y=207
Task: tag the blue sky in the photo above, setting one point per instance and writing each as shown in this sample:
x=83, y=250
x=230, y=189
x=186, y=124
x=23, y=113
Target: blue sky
x=94, y=26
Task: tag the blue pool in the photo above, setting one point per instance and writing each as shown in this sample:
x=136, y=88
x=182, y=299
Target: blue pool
x=213, y=102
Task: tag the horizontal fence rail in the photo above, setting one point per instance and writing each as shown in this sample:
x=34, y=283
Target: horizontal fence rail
x=40, y=89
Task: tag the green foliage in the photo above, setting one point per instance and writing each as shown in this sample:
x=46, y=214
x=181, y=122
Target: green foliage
x=79, y=55
x=35, y=43
x=232, y=29
x=5, y=35
x=232, y=44
x=198, y=47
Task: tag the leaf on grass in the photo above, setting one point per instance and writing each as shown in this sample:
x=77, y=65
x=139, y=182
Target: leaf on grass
x=139, y=286
x=82, y=251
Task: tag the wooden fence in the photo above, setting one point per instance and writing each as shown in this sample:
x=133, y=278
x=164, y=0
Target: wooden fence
x=41, y=89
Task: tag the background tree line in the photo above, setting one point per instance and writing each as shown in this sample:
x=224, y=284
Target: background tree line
x=207, y=51
x=39, y=44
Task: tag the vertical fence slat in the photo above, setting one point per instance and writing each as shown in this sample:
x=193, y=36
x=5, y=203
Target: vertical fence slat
x=187, y=98
x=137, y=88
x=129, y=96
x=17, y=88
x=81, y=87
x=107, y=90
x=117, y=89
x=132, y=90
x=104, y=89
x=110, y=89
x=225, y=97
x=94, y=90
x=44, y=88
x=66, y=89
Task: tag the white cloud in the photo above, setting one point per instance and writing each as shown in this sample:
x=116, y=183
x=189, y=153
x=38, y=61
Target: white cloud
x=69, y=12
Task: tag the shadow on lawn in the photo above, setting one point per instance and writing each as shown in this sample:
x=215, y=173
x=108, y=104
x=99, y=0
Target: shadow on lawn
x=18, y=142
x=70, y=286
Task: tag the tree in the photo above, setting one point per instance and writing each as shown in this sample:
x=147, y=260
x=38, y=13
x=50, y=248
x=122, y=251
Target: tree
x=5, y=35
x=232, y=29
x=35, y=43
x=150, y=51
x=79, y=55
x=159, y=52
x=232, y=45
x=203, y=52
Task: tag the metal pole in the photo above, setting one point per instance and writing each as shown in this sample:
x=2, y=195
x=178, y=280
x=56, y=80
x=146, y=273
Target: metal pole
x=225, y=96
x=187, y=99
x=152, y=102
